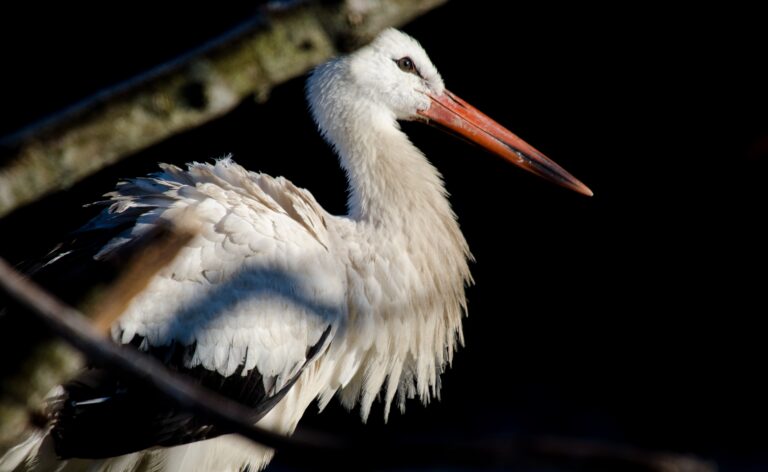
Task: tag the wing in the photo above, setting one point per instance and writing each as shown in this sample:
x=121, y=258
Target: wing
x=250, y=303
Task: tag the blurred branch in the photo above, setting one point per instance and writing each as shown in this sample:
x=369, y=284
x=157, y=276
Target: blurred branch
x=606, y=456
x=37, y=365
x=47, y=362
x=314, y=450
x=279, y=43
x=74, y=328
x=157, y=250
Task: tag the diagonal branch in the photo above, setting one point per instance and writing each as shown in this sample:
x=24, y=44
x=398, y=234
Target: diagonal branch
x=312, y=449
x=283, y=40
x=73, y=327
x=155, y=250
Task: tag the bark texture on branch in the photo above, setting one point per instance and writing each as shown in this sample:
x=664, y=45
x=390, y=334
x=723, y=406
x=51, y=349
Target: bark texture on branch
x=278, y=44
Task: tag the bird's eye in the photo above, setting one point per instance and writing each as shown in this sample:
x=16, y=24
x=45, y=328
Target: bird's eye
x=406, y=65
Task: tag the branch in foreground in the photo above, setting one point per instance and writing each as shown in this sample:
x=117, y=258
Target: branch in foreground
x=42, y=362
x=311, y=449
x=279, y=43
x=73, y=327
x=156, y=250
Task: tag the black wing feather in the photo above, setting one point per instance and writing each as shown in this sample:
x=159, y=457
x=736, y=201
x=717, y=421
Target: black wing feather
x=103, y=414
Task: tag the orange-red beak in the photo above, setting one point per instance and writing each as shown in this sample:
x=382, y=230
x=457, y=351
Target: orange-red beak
x=458, y=116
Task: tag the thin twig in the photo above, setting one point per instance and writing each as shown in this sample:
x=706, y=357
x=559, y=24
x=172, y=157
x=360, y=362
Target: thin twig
x=74, y=328
x=614, y=456
x=313, y=449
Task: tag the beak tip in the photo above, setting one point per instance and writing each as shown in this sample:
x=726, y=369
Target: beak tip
x=583, y=189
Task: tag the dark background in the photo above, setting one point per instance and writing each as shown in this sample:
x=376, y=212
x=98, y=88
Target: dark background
x=633, y=316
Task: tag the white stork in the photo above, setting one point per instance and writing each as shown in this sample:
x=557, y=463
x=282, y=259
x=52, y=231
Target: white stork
x=276, y=302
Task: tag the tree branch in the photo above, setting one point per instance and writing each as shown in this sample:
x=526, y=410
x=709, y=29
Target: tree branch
x=276, y=45
x=46, y=362
x=73, y=327
x=312, y=449
x=156, y=250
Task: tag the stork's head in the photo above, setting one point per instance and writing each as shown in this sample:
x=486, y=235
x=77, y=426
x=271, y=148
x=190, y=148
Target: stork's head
x=393, y=79
x=396, y=72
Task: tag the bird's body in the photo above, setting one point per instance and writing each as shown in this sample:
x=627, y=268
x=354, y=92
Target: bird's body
x=275, y=301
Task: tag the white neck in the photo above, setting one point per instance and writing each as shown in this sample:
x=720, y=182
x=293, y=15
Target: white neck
x=405, y=229
x=399, y=202
x=390, y=180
